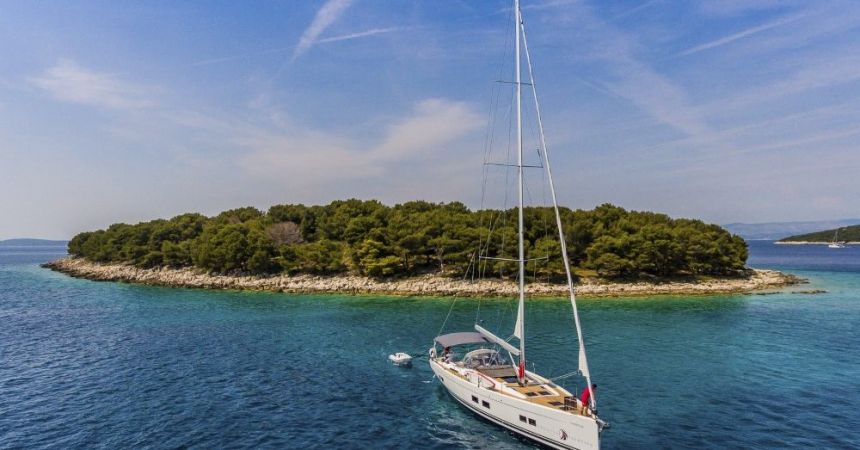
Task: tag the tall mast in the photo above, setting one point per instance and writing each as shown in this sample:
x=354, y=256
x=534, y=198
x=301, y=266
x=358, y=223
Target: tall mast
x=583, y=361
x=520, y=331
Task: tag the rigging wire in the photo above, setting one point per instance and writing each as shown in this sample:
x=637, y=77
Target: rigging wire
x=489, y=141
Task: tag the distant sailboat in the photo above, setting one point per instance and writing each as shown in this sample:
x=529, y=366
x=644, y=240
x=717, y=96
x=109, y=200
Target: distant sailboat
x=491, y=380
x=835, y=242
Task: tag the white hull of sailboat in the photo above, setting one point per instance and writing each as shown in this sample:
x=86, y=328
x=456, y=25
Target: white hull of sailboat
x=549, y=426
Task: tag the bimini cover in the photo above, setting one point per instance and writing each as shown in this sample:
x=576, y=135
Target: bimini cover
x=466, y=337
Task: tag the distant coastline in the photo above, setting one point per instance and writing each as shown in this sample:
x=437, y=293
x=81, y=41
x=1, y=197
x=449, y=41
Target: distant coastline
x=29, y=242
x=426, y=285
x=811, y=243
x=774, y=231
x=843, y=235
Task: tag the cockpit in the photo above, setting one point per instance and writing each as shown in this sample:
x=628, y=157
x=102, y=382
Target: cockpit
x=484, y=358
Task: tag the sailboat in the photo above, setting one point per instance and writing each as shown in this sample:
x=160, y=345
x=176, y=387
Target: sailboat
x=835, y=242
x=490, y=377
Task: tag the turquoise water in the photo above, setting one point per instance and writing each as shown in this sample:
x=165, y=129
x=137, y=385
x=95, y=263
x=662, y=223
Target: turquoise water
x=104, y=365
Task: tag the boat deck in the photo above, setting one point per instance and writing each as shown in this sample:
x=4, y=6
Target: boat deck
x=542, y=394
x=535, y=392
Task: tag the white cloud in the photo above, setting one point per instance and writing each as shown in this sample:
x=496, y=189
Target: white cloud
x=306, y=156
x=635, y=9
x=315, y=157
x=223, y=59
x=360, y=34
x=343, y=37
x=433, y=122
x=632, y=78
x=824, y=71
x=726, y=8
x=829, y=72
x=328, y=14
x=69, y=82
x=737, y=36
x=805, y=140
x=658, y=97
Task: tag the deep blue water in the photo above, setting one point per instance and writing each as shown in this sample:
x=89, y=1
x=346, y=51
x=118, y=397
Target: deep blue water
x=104, y=365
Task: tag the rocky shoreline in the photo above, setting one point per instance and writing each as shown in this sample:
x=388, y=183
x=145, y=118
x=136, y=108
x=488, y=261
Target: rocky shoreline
x=427, y=285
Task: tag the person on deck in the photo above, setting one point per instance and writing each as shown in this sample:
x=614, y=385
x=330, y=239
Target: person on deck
x=585, y=397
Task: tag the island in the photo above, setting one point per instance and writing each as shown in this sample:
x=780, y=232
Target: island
x=419, y=248
x=846, y=235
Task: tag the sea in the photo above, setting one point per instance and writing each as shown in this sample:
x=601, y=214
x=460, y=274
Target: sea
x=100, y=365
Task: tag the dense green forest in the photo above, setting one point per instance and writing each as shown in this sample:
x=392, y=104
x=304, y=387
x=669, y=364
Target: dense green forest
x=370, y=238
x=850, y=234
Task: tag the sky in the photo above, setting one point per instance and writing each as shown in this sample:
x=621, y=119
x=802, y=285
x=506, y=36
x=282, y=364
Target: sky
x=724, y=110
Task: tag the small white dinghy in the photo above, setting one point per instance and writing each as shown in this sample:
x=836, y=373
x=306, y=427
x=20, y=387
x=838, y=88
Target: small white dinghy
x=401, y=359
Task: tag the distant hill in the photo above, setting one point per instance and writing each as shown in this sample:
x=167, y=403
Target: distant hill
x=779, y=230
x=849, y=234
x=26, y=242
